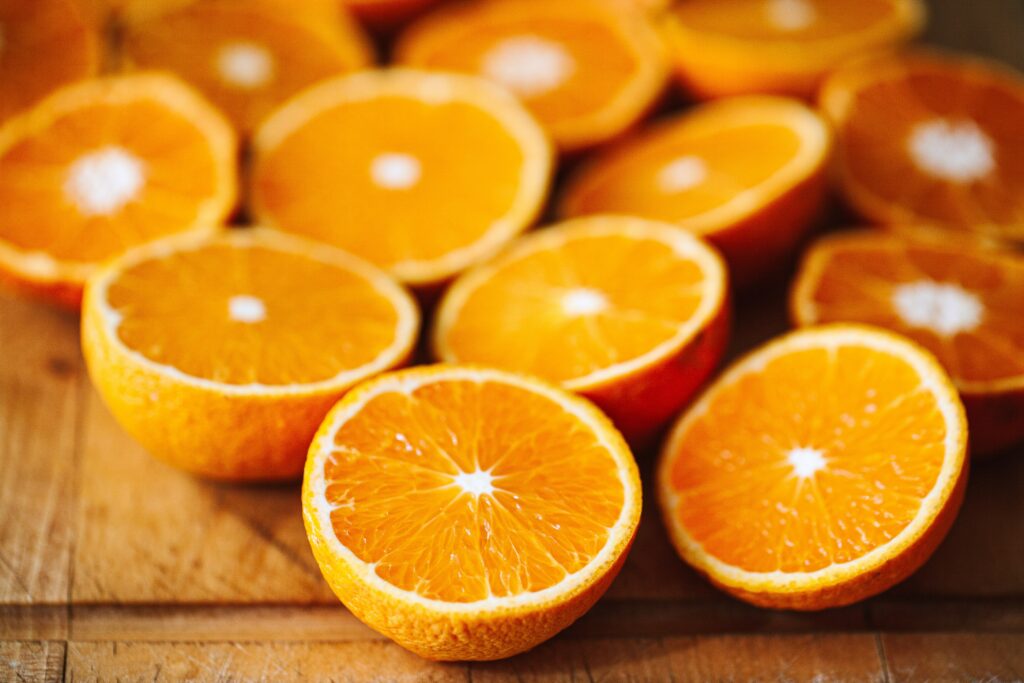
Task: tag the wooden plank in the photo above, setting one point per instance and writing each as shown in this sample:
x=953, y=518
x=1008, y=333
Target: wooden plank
x=954, y=657
x=38, y=662
x=41, y=384
x=993, y=28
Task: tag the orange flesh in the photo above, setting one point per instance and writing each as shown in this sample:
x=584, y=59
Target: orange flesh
x=602, y=65
x=191, y=41
x=556, y=490
x=752, y=20
x=516, y=319
x=735, y=158
x=880, y=434
x=875, y=133
x=320, y=319
x=44, y=44
x=180, y=174
x=858, y=283
x=470, y=169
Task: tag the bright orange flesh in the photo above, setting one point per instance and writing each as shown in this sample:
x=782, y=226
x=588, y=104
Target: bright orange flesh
x=45, y=44
x=811, y=455
x=605, y=68
x=755, y=20
x=931, y=139
x=444, y=136
x=247, y=57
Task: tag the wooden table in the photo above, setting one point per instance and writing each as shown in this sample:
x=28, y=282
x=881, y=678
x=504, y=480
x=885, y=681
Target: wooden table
x=114, y=566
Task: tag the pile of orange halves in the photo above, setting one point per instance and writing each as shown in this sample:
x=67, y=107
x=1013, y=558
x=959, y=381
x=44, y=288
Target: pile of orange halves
x=472, y=508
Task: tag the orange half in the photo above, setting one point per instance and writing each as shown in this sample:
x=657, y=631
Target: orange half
x=934, y=139
x=819, y=470
x=247, y=56
x=631, y=313
x=585, y=69
x=962, y=304
x=102, y=166
x=746, y=173
x=785, y=47
x=421, y=173
x=468, y=513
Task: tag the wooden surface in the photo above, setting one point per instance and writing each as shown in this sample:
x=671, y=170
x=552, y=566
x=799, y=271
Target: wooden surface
x=114, y=566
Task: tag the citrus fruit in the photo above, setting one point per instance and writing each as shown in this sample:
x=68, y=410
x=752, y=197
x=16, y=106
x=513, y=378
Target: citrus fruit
x=43, y=44
x=588, y=70
x=247, y=56
x=468, y=513
x=101, y=166
x=821, y=469
x=221, y=355
x=437, y=172
x=962, y=304
x=929, y=138
x=785, y=47
x=747, y=173
x=632, y=314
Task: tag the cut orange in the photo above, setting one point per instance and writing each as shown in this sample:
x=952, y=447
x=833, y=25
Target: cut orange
x=423, y=174
x=630, y=313
x=247, y=56
x=962, y=304
x=222, y=355
x=786, y=47
x=926, y=138
x=468, y=513
x=586, y=69
x=104, y=165
x=821, y=469
x=43, y=44
x=746, y=173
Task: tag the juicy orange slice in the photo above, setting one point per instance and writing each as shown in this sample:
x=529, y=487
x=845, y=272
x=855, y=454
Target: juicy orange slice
x=247, y=56
x=746, y=173
x=43, y=44
x=105, y=165
x=821, y=469
x=630, y=313
x=924, y=138
x=786, y=47
x=468, y=513
x=586, y=69
x=221, y=355
x=437, y=172
x=961, y=304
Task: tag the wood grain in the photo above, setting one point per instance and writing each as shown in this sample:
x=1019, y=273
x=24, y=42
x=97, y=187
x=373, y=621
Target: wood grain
x=32, y=662
x=992, y=658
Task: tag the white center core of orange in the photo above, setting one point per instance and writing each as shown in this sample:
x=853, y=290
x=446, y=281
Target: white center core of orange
x=245, y=65
x=684, y=173
x=806, y=461
x=394, y=171
x=583, y=301
x=477, y=483
x=528, y=65
x=958, y=151
x=247, y=309
x=791, y=15
x=941, y=307
x=101, y=182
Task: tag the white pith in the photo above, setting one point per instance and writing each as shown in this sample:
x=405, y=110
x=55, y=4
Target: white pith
x=955, y=151
x=582, y=301
x=102, y=182
x=791, y=15
x=944, y=308
x=805, y=461
x=528, y=65
x=395, y=170
x=683, y=173
x=245, y=65
x=244, y=308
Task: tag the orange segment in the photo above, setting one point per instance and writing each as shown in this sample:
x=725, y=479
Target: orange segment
x=821, y=469
x=247, y=56
x=584, y=68
x=925, y=138
x=412, y=142
x=468, y=513
x=733, y=47
x=105, y=165
x=278, y=329
x=962, y=304
x=631, y=313
x=43, y=44
x=747, y=173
